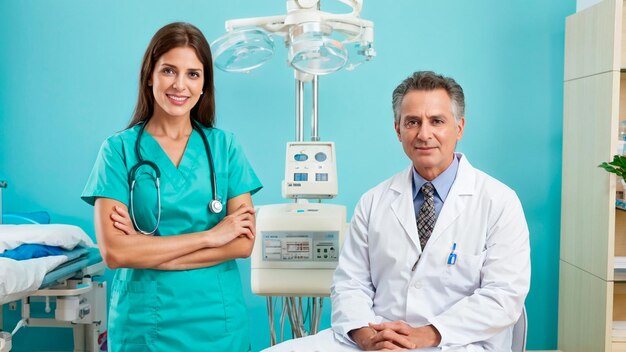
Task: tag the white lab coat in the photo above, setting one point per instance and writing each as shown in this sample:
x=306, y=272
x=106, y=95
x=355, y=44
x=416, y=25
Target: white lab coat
x=474, y=302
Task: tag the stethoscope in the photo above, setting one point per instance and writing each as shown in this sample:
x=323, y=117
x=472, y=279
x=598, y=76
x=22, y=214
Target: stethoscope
x=215, y=206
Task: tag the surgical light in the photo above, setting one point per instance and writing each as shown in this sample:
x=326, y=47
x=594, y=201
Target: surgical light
x=243, y=50
x=318, y=42
x=313, y=51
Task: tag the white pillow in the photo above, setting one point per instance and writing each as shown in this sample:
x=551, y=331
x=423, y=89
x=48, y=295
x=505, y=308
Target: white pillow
x=65, y=236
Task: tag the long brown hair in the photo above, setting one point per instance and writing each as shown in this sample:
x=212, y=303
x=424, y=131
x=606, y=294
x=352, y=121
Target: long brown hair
x=176, y=35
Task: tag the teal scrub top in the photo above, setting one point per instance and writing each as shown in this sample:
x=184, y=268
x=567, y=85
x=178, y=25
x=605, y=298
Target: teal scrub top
x=188, y=310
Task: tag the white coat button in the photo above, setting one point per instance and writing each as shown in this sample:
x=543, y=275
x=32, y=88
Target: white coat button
x=417, y=284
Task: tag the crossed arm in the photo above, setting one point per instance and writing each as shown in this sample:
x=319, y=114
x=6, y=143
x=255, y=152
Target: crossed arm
x=122, y=246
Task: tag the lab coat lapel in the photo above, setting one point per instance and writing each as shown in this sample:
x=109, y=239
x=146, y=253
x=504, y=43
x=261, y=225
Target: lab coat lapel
x=402, y=206
x=459, y=196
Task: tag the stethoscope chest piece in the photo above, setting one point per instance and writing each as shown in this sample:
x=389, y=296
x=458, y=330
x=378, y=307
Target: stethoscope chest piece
x=215, y=206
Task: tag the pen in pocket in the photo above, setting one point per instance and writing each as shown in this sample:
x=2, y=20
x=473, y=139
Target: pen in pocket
x=452, y=256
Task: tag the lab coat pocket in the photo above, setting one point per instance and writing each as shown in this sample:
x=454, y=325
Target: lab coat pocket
x=235, y=312
x=133, y=315
x=464, y=275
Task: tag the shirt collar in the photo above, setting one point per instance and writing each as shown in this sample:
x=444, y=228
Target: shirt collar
x=442, y=183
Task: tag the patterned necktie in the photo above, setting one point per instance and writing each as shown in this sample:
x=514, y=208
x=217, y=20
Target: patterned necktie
x=426, y=217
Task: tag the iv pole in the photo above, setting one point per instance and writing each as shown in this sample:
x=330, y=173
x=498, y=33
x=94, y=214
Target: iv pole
x=3, y=184
x=357, y=32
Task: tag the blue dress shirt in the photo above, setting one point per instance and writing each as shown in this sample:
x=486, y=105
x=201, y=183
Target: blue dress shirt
x=442, y=184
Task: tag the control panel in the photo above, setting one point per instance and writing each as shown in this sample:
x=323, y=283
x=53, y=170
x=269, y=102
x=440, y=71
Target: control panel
x=310, y=170
x=300, y=246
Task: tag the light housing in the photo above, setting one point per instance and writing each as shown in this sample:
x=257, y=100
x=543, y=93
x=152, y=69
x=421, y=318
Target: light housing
x=242, y=50
x=313, y=51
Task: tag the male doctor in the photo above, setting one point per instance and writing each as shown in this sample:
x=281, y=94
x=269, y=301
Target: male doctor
x=437, y=256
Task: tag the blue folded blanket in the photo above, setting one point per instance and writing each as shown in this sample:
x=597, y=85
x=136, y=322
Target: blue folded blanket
x=31, y=251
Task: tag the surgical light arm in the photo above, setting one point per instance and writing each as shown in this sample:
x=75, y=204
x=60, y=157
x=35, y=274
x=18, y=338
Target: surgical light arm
x=319, y=42
x=355, y=29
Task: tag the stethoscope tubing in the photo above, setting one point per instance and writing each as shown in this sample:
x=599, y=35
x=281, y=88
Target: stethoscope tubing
x=132, y=205
x=215, y=206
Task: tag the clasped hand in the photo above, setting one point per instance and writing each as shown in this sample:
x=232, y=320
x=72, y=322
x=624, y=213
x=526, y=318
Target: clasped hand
x=240, y=223
x=395, y=335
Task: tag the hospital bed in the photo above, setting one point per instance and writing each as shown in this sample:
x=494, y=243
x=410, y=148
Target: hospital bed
x=69, y=282
x=80, y=301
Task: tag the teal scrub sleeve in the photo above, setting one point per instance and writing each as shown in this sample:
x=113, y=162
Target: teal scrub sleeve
x=109, y=178
x=241, y=177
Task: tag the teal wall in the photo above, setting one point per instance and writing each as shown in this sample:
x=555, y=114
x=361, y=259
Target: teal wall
x=69, y=78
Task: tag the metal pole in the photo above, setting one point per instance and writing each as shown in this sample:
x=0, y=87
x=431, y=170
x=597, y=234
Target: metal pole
x=270, y=314
x=315, y=137
x=299, y=110
x=3, y=184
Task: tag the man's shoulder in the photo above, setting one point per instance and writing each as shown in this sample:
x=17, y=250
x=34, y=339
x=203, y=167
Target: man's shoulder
x=471, y=180
x=490, y=186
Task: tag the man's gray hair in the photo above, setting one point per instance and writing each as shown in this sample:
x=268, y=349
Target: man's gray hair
x=428, y=80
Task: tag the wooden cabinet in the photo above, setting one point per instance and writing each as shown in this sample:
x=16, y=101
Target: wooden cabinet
x=591, y=293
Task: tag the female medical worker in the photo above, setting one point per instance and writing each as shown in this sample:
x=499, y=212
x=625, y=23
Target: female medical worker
x=157, y=219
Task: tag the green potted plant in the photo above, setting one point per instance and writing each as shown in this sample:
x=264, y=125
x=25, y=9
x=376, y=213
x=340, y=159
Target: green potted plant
x=618, y=167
